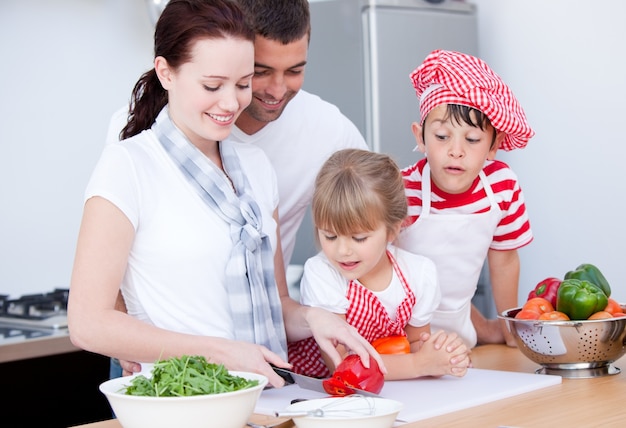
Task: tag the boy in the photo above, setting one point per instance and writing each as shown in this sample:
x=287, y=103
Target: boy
x=464, y=206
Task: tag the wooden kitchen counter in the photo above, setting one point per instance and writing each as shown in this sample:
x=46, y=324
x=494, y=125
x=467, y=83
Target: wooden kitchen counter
x=574, y=402
x=57, y=343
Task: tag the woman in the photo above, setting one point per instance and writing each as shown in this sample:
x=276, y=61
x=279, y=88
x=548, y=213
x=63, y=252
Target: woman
x=184, y=225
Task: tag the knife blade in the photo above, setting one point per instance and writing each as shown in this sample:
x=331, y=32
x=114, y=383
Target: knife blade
x=311, y=383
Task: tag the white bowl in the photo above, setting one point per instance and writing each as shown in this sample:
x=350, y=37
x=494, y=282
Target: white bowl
x=225, y=410
x=347, y=412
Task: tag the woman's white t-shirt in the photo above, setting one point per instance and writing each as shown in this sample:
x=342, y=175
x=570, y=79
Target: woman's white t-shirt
x=175, y=277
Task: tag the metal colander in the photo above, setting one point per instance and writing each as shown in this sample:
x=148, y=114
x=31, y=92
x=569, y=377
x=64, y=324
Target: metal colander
x=573, y=349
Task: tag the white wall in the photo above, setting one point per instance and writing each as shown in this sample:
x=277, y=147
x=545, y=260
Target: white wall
x=68, y=64
x=565, y=61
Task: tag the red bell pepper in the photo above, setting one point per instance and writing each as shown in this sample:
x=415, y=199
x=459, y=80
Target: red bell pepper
x=351, y=373
x=548, y=289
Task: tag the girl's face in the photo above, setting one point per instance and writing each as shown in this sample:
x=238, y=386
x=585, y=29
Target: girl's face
x=456, y=152
x=359, y=256
x=208, y=93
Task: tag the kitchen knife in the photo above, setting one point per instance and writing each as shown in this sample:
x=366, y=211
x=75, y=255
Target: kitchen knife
x=312, y=383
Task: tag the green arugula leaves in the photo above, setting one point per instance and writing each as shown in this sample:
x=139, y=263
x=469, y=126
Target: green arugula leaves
x=186, y=376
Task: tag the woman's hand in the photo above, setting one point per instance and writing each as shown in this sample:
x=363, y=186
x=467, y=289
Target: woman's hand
x=330, y=330
x=244, y=356
x=129, y=367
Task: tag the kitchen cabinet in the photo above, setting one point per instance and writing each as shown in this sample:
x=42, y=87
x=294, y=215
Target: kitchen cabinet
x=55, y=390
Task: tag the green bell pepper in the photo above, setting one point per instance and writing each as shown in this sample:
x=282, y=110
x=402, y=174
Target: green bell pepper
x=588, y=272
x=579, y=299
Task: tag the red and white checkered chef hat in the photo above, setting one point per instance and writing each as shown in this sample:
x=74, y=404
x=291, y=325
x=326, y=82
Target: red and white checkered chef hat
x=447, y=77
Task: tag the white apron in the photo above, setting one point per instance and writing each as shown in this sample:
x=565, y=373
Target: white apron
x=458, y=244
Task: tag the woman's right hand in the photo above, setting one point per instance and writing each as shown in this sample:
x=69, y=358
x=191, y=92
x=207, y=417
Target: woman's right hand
x=248, y=357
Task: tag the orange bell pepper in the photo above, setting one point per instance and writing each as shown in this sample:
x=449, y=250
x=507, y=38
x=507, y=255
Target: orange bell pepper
x=392, y=345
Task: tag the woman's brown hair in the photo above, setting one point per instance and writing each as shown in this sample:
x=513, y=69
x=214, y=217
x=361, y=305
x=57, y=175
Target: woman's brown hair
x=181, y=24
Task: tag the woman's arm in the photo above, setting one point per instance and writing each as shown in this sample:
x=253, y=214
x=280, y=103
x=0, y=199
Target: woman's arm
x=95, y=323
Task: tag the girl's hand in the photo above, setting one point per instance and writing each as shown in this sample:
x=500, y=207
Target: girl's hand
x=451, y=341
x=445, y=354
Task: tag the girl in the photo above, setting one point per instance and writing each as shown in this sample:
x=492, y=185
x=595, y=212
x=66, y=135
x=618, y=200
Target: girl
x=358, y=209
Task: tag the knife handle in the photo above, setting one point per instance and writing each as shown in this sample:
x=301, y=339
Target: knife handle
x=285, y=374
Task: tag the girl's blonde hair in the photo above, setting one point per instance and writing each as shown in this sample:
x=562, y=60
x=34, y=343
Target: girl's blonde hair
x=356, y=190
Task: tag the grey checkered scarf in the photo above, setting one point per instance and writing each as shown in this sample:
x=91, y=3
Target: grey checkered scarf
x=253, y=295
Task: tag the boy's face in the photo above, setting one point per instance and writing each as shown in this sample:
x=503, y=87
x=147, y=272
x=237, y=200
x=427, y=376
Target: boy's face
x=456, y=152
x=278, y=76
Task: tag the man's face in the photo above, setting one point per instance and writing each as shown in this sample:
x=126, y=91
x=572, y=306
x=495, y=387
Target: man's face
x=278, y=76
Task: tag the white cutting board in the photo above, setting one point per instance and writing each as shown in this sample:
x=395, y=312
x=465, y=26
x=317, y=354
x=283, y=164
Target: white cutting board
x=428, y=397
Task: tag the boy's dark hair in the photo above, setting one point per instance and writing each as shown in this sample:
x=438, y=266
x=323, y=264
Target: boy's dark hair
x=283, y=20
x=464, y=114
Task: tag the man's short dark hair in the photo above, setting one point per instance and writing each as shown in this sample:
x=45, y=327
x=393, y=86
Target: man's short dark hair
x=283, y=20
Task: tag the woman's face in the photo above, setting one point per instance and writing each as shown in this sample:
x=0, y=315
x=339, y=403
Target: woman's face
x=207, y=94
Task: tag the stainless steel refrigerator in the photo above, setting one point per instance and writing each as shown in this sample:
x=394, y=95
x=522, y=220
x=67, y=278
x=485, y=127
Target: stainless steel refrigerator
x=362, y=52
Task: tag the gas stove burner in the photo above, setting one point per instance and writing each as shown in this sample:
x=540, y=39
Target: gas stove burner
x=37, y=306
x=11, y=334
x=48, y=310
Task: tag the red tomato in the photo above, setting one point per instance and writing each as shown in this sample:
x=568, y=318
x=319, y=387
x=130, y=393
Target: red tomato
x=351, y=373
x=392, y=345
x=600, y=315
x=538, y=304
x=554, y=316
x=527, y=314
x=613, y=306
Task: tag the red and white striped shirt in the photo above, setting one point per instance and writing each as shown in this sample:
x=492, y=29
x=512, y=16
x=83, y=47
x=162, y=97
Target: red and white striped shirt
x=513, y=229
